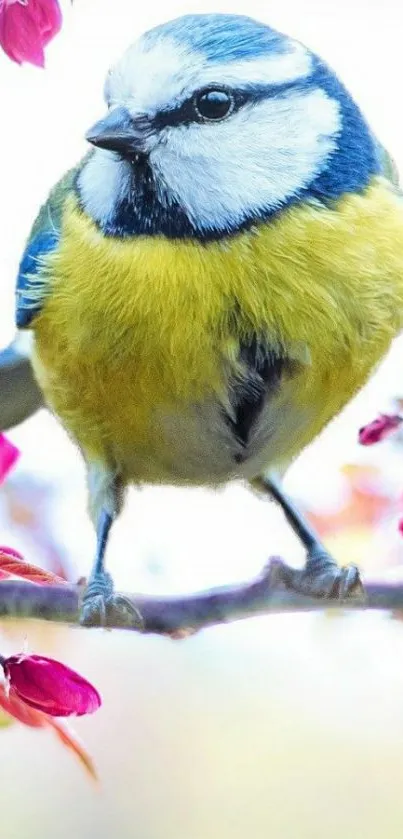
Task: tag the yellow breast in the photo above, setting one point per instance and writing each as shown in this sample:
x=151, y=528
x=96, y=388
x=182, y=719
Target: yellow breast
x=139, y=327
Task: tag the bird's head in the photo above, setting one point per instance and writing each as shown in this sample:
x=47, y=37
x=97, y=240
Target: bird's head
x=216, y=122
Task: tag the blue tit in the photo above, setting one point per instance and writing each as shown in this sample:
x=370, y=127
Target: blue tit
x=217, y=277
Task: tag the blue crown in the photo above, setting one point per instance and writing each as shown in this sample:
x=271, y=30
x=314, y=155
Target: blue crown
x=221, y=37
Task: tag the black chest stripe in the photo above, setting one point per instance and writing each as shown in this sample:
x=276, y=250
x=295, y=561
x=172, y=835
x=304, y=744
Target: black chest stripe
x=260, y=377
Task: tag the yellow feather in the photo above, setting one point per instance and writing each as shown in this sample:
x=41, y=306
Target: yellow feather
x=136, y=327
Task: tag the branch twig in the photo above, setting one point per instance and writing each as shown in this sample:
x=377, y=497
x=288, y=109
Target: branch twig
x=266, y=594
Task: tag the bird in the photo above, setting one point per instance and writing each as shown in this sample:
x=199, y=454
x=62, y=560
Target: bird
x=214, y=281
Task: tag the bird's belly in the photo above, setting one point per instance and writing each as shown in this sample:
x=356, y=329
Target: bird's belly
x=128, y=417
x=197, y=446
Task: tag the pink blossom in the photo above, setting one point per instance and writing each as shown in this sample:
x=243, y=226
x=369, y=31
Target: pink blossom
x=9, y=454
x=378, y=429
x=49, y=686
x=26, y=27
x=15, y=708
x=19, y=710
x=10, y=552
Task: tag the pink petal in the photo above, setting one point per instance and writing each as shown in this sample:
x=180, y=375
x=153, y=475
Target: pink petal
x=49, y=19
x=10, y=703
x=19, y=35
x=10, y=552
x=15, y=708
x=9, y=454
x=26, y=28
x=379, y=428
x=49, y=686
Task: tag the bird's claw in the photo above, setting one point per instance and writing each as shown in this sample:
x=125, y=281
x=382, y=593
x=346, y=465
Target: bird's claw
x=101, y=606
x=323, y=578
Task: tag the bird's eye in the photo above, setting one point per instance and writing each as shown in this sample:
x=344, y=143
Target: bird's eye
x=213, y=104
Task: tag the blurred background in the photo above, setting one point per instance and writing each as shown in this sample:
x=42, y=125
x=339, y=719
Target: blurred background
x=286, y=726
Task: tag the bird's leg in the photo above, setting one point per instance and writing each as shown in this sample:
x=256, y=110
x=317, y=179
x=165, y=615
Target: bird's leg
x=99, y=598
x=321, y=575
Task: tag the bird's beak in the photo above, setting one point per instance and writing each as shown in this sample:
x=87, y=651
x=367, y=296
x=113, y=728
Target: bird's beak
x=120, y=132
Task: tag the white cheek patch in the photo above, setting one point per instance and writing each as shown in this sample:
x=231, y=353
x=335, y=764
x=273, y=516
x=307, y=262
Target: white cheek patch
x=223, y=173
x=103, y=182
x=148, y=80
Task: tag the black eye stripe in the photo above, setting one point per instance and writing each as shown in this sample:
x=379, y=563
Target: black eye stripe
x=189, y=111
x=185, y=113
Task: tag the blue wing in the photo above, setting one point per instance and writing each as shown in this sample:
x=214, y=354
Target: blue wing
x=31, y=283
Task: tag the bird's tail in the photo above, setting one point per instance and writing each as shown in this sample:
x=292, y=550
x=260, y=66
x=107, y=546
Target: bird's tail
x=20, y=395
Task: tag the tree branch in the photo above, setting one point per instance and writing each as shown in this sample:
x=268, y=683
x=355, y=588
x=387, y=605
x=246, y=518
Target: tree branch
x=267, y=594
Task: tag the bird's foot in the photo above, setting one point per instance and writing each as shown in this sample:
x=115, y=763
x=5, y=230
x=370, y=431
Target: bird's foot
x=101, y=606
x=323, y=578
